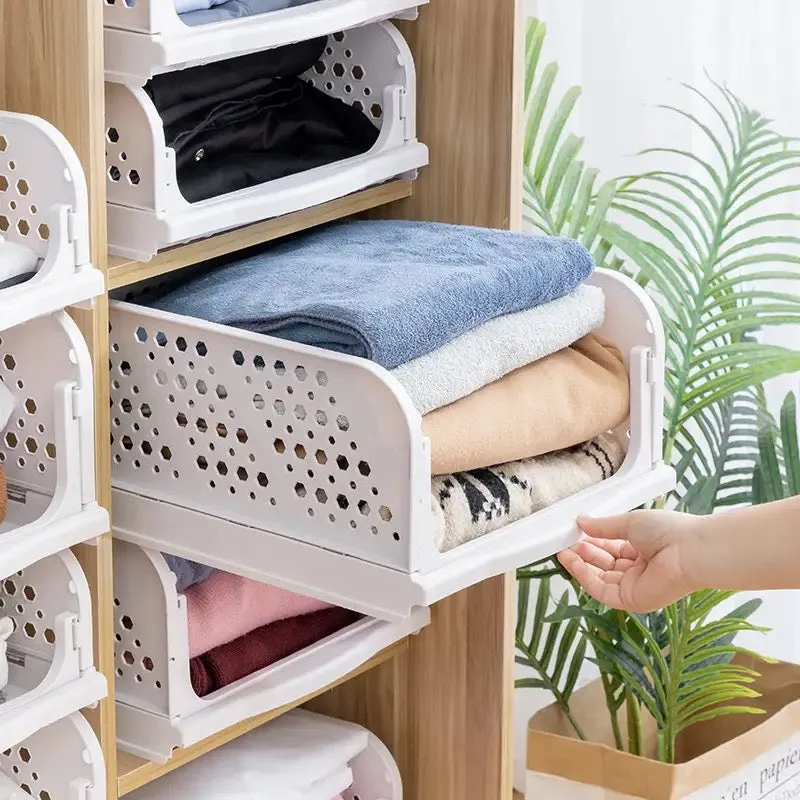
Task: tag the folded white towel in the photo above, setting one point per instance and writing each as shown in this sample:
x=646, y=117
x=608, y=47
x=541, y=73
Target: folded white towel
x=7, y=405
x=286, y=758
x=492, y=350
x=16, y=260
x=327, y=788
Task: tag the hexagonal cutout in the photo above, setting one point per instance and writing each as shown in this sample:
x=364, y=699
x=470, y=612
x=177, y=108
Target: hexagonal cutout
x=364, y=468
x=342, y=463
x=279, y=445
x=31, y=445
x=385, y=513
x=300, y=490
x=342, y=501
x=222, y=468
x=30, y=405
x=241, y=435
x=363, y=507
x=299, y=412
x=262, y=479
x=112, y=134
x=3, y=183
x=43, y=231
x=22, y=187
x=202, y=462
x=322, y=496
x=241, y=474
x=299, y=451
x=259, y=363
x=24, y=227
x=321, y=456
x=9, y=363
x=342, y=422
x=166, y=453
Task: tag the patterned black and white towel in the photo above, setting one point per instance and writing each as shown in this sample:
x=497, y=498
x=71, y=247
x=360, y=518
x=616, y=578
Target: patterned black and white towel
x=468, y=505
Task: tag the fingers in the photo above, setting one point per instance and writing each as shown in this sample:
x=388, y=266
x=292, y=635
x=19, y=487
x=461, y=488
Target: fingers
x=601, y=585
x=605, y=527
x=604, y=552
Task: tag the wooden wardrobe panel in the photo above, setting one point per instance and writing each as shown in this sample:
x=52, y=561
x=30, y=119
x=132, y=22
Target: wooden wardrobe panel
x=52, y=66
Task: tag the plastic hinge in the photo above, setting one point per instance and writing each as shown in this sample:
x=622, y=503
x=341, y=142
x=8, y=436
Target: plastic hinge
x=80, y=246
x=88, y=791
x=76, y=403
x=655, y=378
x=404, y=115
x=84, y=658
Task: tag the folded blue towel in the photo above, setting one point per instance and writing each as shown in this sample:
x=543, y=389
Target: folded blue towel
x=187, y=572
x=207, y=12
x=386, y=290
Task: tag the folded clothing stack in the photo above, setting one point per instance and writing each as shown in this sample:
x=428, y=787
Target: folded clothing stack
x=207, y=12
x=239, y=626
x=491, y=333
x=18, y=263
x=244, y=121
x=298, y=756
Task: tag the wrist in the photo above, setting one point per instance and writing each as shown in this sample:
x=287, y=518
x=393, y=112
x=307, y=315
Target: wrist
x=699, y=553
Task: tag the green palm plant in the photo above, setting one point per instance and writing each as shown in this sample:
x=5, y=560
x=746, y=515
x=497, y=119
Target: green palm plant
x=699, y=235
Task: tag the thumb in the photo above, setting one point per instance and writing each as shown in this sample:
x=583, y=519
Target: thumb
x=616, y=527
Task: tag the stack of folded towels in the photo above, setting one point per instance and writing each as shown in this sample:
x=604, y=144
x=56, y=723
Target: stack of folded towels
x=239, y=626
x=492, y=334
x=298, y=756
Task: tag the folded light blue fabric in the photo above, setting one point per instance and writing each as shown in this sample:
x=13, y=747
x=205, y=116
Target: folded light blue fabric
x=389, y=291
x=187, y=572
x=206, y=12
x=187, y=6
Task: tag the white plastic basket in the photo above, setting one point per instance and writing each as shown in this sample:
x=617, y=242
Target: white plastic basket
x=51, y=669
x=63, y=761
x=44, y=206
x=371, y=66
x=47, y=449
x=157, y=710
x=147, y=37
x=308, y=469
x=268, y=754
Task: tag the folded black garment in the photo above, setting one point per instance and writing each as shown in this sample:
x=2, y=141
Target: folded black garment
x=287, y=128
x=180, y=94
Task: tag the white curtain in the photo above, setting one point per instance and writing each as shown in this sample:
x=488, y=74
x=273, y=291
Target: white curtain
x=631, y=55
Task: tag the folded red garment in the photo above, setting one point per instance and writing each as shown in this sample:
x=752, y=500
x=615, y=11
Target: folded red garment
x=230, y=662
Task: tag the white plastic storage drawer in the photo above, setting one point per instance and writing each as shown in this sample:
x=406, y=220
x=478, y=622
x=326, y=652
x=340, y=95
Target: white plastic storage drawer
x=371, y=66
x=51, y=672
x=43, y=206
x=157, y=710
x=63, y=761
x=147, y=37
x=308, y=469
x=284, y=753
x=47, y=448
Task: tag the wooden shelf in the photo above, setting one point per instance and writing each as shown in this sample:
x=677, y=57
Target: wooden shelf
x=123, y=272
x=133, y=772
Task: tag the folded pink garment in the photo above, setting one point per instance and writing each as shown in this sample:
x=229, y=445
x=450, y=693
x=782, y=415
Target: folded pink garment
x=227, y=606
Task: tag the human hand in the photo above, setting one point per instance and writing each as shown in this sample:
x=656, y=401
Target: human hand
x=635, y=562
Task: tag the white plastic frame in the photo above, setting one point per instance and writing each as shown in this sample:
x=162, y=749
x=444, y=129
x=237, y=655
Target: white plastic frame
x=145, y=38
x=51, y=668
x=216, y=485
x=47, y=449
x=63, y=761
x=157, y=710
x=44, y=206
x=147, y=212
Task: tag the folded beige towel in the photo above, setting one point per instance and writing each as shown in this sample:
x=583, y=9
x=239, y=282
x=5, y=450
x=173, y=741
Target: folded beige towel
x=557, y=402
